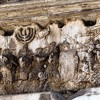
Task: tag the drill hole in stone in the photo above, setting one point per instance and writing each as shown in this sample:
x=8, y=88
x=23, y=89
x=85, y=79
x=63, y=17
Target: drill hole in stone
x=89, y=22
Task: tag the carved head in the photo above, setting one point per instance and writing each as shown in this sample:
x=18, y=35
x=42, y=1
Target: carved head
x=53, y=44
x=98, y=44
x=25, y=61
x=24, y=49
x=52, y=47
x=63, y=46
x=39, y=51
x=46, y=50
x=41, y=76
x=4, y=60
x=6, y=51
x=91, y=47
x=6, y=74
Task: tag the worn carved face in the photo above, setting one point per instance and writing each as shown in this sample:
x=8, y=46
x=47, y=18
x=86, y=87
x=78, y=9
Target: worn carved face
x=25, y=61
x=4, y=60
x=6, y=74
x=39, y=50
x=91, y=47
x=53, y=44
x=6, y=51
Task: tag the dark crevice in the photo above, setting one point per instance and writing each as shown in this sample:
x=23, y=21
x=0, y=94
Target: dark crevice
x=60, y=24
x=8, y=33
x=89, y=23
x=68, y=91
x=40, y=26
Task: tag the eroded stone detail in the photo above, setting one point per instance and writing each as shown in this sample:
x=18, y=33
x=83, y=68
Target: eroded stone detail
x=51, y=58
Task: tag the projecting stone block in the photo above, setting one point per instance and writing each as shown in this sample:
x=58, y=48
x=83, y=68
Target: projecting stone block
x=68, y=64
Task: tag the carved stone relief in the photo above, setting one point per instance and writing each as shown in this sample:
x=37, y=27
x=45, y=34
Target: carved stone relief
x=50, y=58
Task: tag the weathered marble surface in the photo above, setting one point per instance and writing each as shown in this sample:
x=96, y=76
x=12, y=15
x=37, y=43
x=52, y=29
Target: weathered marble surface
x=51, y=58
x=34, y=96
x=50, y=49
x=86, y=94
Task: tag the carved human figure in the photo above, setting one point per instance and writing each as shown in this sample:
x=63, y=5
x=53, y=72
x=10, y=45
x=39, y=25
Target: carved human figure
x=98, y=50
x=25, y=63
x=39, y=65
x=25, y=56
x=6, y=75
x=55, y=33
x=39, y=54
x=51, y=48
x=39, y=60
x=91, y=56
x=42, y=78
x=40, y=40
x=11, y=61
x=85, y=67
x=87, y=74
x=53, y=60
x=52, y=69
x=25, y=50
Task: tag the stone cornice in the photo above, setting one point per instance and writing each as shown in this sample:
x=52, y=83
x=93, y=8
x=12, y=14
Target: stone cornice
x=26, y=13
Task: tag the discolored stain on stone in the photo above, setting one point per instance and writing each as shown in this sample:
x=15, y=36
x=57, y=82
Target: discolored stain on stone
x=45, y=97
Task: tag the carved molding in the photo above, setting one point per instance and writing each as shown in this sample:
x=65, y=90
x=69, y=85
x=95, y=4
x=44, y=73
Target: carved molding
x=13, y=15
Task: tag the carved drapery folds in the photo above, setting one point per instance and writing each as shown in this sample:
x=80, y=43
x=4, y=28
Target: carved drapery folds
x=50, y=57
